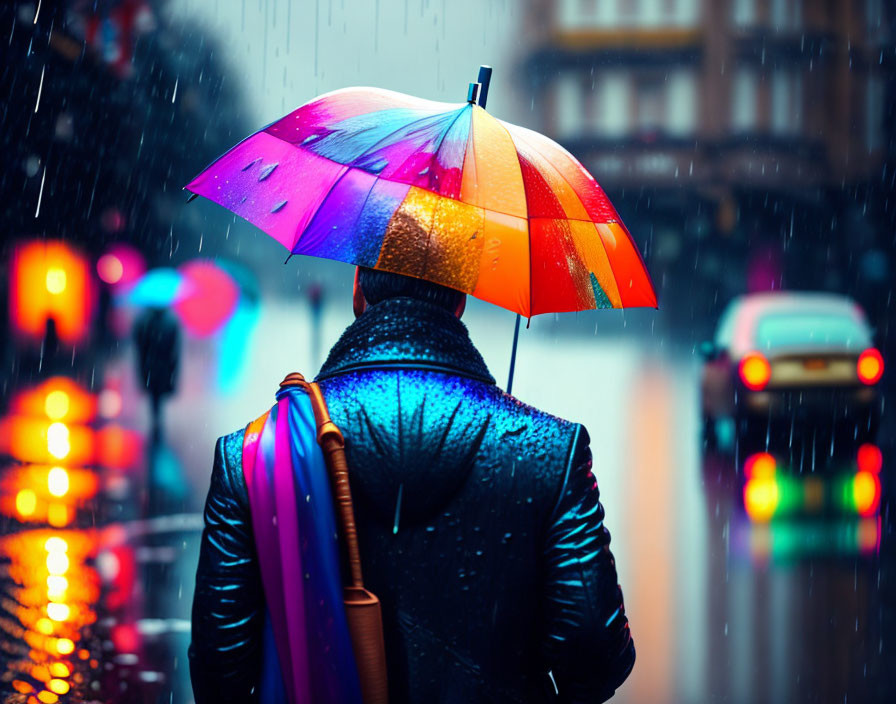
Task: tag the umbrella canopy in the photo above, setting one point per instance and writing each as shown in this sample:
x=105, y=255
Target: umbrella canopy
x=159, y=288
x=438, y=191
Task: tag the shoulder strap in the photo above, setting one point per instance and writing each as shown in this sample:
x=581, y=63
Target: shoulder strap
x=331, y=441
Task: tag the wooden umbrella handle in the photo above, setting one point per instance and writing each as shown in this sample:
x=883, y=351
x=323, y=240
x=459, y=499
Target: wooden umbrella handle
x=331, y=441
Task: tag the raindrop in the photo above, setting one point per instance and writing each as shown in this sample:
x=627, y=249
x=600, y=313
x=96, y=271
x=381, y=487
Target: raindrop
x=267, y=171
x=397, y=509
x=251, y=164
x=277, y=208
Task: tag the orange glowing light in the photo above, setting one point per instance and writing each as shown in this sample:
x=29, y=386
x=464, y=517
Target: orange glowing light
x=22, y=687
x=58, y=515
x=26, y=502
x=870, y=366
x=110, y=269
x=44, y=625
x=59, y=398
x=58, y=612
x=48, y=697
x=56, y=586
x=59, y=669
x=65, y=646
x=56, y=404
x=869, y=458
x=57, y=563
x=761, y=498
x=58, y=686
x=762, y=465
x=50, y=280
x=57, y=481
x=755, y=371
x=35, y=440
x=56, y=544
x=58, y=443
x=866, y=493
x=56, y=280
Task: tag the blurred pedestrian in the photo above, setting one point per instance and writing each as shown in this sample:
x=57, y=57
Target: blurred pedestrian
x=480, y=526
x=157, y=338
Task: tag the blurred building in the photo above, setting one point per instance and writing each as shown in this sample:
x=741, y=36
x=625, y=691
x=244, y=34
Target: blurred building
x=735, y=136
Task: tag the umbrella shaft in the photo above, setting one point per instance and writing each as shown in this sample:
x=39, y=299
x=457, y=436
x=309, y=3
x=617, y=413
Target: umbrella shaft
x=516, y=337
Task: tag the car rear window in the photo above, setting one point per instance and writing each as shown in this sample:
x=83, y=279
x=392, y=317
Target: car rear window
x=812, y=329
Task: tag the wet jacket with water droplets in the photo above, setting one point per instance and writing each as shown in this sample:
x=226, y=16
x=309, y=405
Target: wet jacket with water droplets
x=480, y=530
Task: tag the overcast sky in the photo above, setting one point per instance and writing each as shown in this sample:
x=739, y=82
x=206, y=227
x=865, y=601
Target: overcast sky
x=288, y=51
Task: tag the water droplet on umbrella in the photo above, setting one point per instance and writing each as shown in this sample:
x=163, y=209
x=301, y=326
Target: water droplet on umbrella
x=267, y=171
x=251, y=164
x=311, y=138
x=278, y=207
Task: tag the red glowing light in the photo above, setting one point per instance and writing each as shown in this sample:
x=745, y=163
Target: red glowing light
x=213, y=300
x=755, y=371
x=869, y=458
x=760, y=466
x=870, y=366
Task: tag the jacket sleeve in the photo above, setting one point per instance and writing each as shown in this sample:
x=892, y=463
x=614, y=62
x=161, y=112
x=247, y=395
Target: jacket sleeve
x=587, y=646
x=228, y=604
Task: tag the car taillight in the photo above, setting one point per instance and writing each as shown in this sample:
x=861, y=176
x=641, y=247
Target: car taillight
x=755, y=371
x=869, y=458
x=870, y=366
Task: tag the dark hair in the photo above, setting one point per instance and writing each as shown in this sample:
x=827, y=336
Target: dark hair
x=380, y=285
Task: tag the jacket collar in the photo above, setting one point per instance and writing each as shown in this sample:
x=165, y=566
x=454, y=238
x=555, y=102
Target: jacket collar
x=404, y=333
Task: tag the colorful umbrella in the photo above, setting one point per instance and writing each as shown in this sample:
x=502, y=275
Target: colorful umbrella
x=159, y=288
x=439, y=191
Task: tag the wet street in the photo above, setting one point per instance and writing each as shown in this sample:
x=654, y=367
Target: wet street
x=750, y=573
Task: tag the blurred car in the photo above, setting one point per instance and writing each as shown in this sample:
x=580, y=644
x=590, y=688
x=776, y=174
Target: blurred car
x=797, y=362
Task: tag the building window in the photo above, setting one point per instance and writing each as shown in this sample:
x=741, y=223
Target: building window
x=649, y=105
x=874, y=104
x=612, y=100
x=609, y=14
x=584, y=14
x=743, y=13
x=787, y=15
x=787, y=102
x=681, y=103
x=568, y=105
x=744, y=100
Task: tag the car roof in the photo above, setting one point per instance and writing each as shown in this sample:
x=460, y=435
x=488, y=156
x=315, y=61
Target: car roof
x=743, y=313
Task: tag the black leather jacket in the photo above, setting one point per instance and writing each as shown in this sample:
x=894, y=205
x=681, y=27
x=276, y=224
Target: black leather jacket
x=480, y=530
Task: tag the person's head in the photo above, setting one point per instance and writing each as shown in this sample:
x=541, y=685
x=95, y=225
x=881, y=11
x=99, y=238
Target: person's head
x=372, y=286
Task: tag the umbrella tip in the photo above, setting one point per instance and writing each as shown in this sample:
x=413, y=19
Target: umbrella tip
x=473, y=93
x=485, y=77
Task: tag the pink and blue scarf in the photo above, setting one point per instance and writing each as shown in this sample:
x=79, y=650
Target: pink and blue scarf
x=307, y=652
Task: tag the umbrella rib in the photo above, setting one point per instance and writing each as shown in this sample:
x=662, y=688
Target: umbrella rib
x=405, y=126
x=528, y=219
x=597, y=232
x=298, y=236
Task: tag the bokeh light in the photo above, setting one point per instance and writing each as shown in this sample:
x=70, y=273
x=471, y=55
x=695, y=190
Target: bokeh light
x=110, y=269
x=58, y=440
x=57, y=481
x=26, y=502
x=56, y=280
